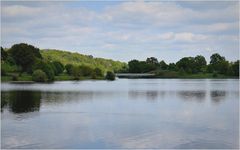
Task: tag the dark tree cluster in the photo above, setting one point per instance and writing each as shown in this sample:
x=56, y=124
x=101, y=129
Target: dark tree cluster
x=190, y=65
x=83, y=71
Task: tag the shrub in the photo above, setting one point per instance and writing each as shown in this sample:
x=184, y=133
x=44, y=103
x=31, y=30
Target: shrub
x=14, y=77
x=85, y=70
x=58, y=67
x=110, y=76
x=45, y=67
x=39, y=76
x=69, y=69
x=98, y=72
x=215, y=74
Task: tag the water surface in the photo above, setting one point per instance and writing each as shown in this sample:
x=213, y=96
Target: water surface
x=126, y=113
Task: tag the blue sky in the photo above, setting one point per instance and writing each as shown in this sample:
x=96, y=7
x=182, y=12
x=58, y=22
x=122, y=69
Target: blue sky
x=125, y=30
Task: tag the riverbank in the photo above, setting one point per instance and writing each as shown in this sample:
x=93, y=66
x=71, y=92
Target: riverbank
x=65, y=77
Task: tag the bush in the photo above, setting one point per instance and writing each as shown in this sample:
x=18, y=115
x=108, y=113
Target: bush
x=14, y=77
x=215, y=74
x=39, y=76
x=76, y=73
x=58, y=67
x=85, y=70
x=98, y=72
x=110, y=76
x=69, y=69
x=45, y=67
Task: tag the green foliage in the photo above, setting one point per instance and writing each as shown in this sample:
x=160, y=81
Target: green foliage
x=45, y=67
x=8, y=68
x=186, y=64
x=76, y=72
x=77, y=59
x=218, y=64
x=24, y=55
x=98, y=72
x=110, y=76
x=163, y=65
x=14, y=77
x=4, y=54
x=85, y=70
x=39, y=76
x=199, y=63
x=235, y=68
x=57, y=67
x=172, y=67
x=69, y=68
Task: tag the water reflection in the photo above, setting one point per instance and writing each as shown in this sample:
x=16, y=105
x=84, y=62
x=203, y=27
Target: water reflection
x=21, y=101
x=149, y=95
x=124, y=114
x=192, y=95
x=218, y=96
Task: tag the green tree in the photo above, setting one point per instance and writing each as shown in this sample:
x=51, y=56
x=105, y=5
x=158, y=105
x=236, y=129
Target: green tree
x=98, y=72
x=69, y=68
x=186, y=64
x=110, y=76
x=45, y=67
x=218, y=64
x=76, y=72
x=163, y=65
x=172, y=66
x=200, y=63
x=39, y=76
x=152, y=64
x=58, y=67
x=235, y=68
x=134, y=66
x=25, y=55
x=85, y=70
x=4, y=54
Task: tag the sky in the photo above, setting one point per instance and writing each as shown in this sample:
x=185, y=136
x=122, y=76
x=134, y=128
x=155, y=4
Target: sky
x=125, y=30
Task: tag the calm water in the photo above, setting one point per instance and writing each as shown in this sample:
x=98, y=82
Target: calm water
x=126, y=113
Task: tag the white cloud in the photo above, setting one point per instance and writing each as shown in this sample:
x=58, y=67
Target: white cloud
x=135, y=27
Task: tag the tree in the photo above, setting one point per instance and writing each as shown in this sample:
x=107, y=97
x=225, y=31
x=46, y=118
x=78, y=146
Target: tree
x=4, y=54
x=76, y=72
x=163, y=65
x=216, y=58
x=110, y=76
x=235, y=68
x=200, y=63
x=58, y=67
x=152, y=63
x=39, y=76
x=69, y=68
x=218, y=64
x=172, y=66
x=186, y=64
x=45, y=67
x=25, y=55
x=134, y=66
x=98, y=72
x=85, y=70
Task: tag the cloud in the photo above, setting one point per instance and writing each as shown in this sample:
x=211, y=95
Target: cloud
x=167, y=30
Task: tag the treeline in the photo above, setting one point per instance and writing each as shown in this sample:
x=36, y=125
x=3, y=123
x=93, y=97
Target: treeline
x=187, y=65
x=27, y=59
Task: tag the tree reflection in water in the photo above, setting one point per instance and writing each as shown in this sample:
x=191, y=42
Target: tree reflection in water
x=21, y=101
x=218, y=96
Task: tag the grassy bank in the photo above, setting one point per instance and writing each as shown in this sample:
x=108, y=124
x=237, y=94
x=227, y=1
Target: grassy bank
x=61, y=77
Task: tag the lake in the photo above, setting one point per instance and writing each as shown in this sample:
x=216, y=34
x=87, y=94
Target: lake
x=125, y=113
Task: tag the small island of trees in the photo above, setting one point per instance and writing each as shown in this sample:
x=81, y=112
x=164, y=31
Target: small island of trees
x=24, y=62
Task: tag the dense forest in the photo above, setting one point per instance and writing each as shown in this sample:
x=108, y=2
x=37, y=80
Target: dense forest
x=25, y=62
x=187, y=67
